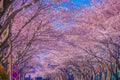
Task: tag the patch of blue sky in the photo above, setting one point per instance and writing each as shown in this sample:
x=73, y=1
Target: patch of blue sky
x=63, y=25
x=99, y=1
x=81, y=2
x=60, y=25
x=66, y=4
x=54, y=5
x=76, y=3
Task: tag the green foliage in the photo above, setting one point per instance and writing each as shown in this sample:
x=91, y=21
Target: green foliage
x=3, y=73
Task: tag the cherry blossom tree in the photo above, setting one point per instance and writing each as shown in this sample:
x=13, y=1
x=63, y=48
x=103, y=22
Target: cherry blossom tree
x=87, y=45
x=11, y=37
x=96, y=29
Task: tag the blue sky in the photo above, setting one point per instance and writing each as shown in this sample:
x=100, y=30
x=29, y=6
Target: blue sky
x=76, y=3
x=81, y=2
